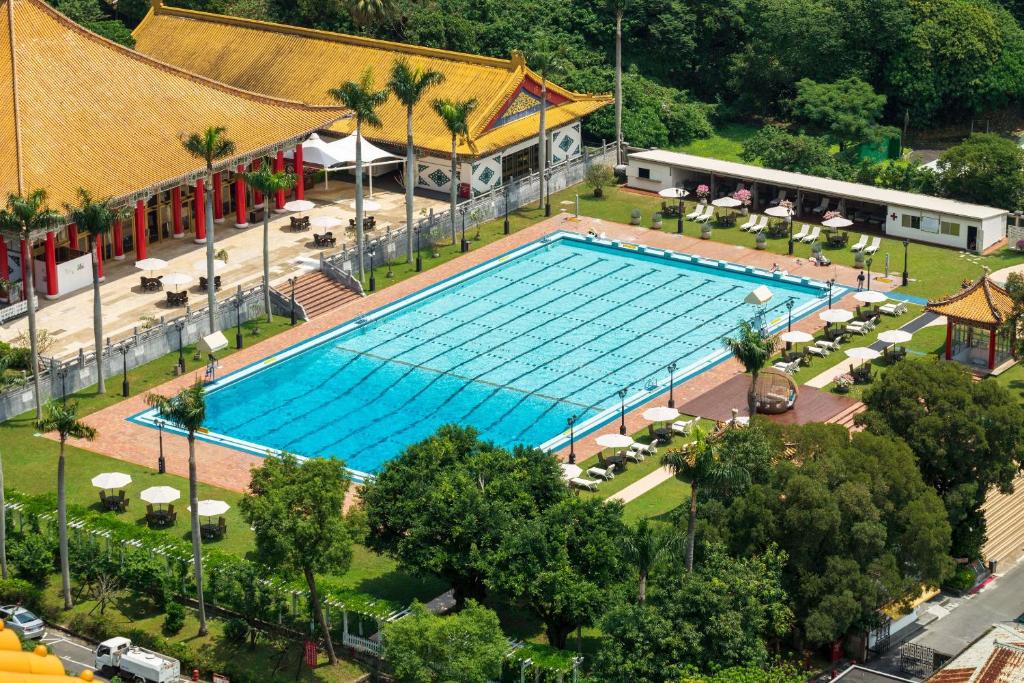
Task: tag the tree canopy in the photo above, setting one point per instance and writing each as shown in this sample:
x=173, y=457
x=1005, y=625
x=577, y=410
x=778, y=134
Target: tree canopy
x=985, y=169
x=848, y=110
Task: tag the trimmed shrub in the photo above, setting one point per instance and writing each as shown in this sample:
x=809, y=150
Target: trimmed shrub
x=174, y=619
x=19, y=591
x=34, y=558
x=236, y=631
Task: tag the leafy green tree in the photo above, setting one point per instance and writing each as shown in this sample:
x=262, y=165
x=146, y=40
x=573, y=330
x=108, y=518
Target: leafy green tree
x=187, y=410
x=89, y=14
x=33, y=558
x=268, y=181
x=968, y=437
x=753, y=348
x=408, y=84
x=364, y=99
x=295, y=509
x=444, y=505
x=985, y=169
x=210, y=145
x=643, y=547
x=775, y=148
x=898, y=174
x=427, y=648
x=748, y=674
x=848, y=110
x=63, y=419
x=455, y=115
x=563, y=564
x=251, y=597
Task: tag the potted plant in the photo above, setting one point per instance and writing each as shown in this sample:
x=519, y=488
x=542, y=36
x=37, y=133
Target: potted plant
x=858, y=260
x=656, y=221
x=598, y=177
x=743, y=195
x=761, y=241
x=703, y=192
x=634, y=217
x=842, y=384
x=705, y=231
x=1020, y=245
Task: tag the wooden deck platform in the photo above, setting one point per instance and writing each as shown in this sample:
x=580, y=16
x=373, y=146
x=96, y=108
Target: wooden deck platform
x=812, y=405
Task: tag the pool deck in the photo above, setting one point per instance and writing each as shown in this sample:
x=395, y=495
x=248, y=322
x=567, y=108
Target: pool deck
x=230, y=469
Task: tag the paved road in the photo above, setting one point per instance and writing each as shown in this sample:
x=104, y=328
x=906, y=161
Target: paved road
x=76, y=654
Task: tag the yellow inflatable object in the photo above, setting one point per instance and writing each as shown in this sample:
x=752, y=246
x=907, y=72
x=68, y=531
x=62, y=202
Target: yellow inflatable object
x=31, y=667
x=43, y=678
x=8, y=639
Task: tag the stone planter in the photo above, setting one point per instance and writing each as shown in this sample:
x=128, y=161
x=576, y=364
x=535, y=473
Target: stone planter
x=705, y=232
x=761, y=242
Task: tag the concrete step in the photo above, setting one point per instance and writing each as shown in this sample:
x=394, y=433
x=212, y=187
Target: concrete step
x=318, y=294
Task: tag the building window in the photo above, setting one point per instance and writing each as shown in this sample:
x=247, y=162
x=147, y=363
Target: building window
x=911, y=221
x=952, y=229
x=519, y=164
x=644, y=173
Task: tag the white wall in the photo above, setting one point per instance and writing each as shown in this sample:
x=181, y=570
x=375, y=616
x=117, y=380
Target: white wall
x=993, y=230
x=433, y=173
x=661, y=176
x=990, y=231
x=72, y=275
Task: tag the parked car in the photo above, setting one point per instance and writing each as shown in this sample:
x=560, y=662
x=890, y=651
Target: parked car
x=23, y=622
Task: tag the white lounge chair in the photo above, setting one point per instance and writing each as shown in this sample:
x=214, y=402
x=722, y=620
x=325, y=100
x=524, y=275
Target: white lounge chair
x=750, y=223
x=706, y=216
x=893, y=308
x=818, y=351
x=788, y=368
x=827, y=345
x=859, y=244
x=643, y=448
x=815, y=232
x=588, y=484
x=602, y=473
x=876, y=242
x=857, y=328
x=779, y=198
x=635, y=456
x=804, y=231
x=697, y=210
x=761, y=225
x=822, y=207
x=683, y=427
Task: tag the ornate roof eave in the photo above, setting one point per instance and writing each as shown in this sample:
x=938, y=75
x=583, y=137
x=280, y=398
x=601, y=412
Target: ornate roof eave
x=988, y=289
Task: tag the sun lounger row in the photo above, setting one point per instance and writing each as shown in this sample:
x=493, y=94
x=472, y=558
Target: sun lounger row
x=862, y=245
x=893, y=308
x=862, y=327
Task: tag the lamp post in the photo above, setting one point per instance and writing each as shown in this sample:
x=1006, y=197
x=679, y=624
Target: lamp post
x=830, y=283
x=679, y=219
x=161, y=464
x=789, y=311
x=622, y=409
x=62, y=372
x=123, y=348
x=790, y=219
x=906, y=249
x=868, y=264
x=671, y=384
x=419, y=254
x=547, y=189
x=464, y=245
x=505, y=226
x=180, y=326
x=238, y=317
x=373, y=279
x=291, y=281
x=572, y=440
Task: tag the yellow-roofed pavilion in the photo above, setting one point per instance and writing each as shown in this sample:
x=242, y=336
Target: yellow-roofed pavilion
x=976, y=333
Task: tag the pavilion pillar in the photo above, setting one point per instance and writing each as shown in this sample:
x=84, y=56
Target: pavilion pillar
x=179, y=231
x=99, y=257
x=218, y=198
x=51, y=265
x=240, y=213
x=712, y=185
x=753, y=196
x=73, y=236
x=992, y=349
x=300, y=189
x=25, y=256
x=949, y=339
x=279, y=195
x=118, y=240
x=5, y=266
x=140, y=229
x=199, y=210
x=799, y=202
x=257, y=196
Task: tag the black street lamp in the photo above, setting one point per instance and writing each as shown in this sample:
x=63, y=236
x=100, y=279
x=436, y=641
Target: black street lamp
x=906, y=275
x=123, y=348
x=547, y=189
x=679, y=219
x=830, y=284
x=373, y=279
x=62, y=372
x=238, y=318
x=464, y=245
x=789, y=311
x=161, y=464
x=622, y=409
x=292, y=281
x=671, y=384
x=790, y=218
x=180, y=326
x=572, y=440
x=419, y=254
x=505, y=227
x=868, y=264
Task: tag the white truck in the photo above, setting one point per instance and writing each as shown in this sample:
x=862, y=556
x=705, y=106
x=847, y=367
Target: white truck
x=136, y=664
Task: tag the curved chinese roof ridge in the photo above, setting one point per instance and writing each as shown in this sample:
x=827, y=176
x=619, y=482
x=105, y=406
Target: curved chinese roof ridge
x=984, y=304
x=81, y=111
x=303, y=64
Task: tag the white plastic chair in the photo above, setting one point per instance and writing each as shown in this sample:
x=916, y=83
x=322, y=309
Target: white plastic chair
x=875, y=244
x=860, y=244
x=815, y=232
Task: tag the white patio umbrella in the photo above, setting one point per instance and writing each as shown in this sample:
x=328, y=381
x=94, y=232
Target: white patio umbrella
x=111, y=480
x=160, y=495
x=862, y=353
x=570, y=471
x=614, y=440
x=796, y=337
x=779, y=211
x=218, y=265
x=660, y=414
x=368, y=205
x=895, y=337
x=836, y=315
x=177, y=279
x=673, y=193
x=211, y=508
x=151, y=264
x=870, y=296
x=837, y=222
x=326, y=222
x=299, y=205
x=726, y=202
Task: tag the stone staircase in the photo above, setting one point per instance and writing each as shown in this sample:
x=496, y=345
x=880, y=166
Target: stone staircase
x=317, y=294
x=1004, y=517
x=846, y=417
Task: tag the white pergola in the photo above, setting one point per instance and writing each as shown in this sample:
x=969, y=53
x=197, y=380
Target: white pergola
x=340, y=155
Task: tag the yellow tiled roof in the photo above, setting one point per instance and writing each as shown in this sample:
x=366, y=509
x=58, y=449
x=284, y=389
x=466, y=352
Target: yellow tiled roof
x=984, y=303
x=303, y=64
x=93, y=114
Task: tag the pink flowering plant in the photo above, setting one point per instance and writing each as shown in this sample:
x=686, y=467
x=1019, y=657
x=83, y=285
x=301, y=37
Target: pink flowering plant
x=829, y=215
x=742, y=195
x=703, y=191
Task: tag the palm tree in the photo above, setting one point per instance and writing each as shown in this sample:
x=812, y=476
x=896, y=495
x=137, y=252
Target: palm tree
x=363, y=100
x=63, y=419
x=25, y=217
x=366, y=12
x=548, y=59
x=455, y=114
x=408, y=84
x=643, y=547
x=705, y=467
x=187, y=410
x=754, y=349
x=209, y=146
x=96, y=218
x=618, y=7
x=268, y=181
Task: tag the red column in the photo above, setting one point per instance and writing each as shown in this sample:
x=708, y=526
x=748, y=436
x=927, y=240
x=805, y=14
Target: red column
x=5, y=267
x=300, y=189
x=218, y=198
x=72, y=235
x=199, y=209
x=257, y=197
x=140, y=230
x=240, y=213
x=279, y=195
x=51, y=265
x=992, y=349
x=99, y=256
x=949, y=339
x=118, y=240
x=179, y=232
x=24, y=269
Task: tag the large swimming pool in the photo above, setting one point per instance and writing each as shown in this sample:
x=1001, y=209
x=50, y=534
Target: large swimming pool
x=513, y=347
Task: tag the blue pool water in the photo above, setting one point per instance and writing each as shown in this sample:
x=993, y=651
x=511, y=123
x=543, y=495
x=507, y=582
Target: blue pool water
x=554, y=330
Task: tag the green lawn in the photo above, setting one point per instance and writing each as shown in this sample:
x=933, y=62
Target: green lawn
x=725, y=144
x=659, y=501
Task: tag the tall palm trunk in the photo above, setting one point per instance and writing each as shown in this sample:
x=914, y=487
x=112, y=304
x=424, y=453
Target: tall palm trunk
x=318, y=612
x=618, y=87
x=211, y=291
x=453, y=195
x=410, y=181
x=266, y=256
x=641, y=592
x=542, y=139
x=3, y=525
x=62, y=531
x=197, y=546
x=359, y=196
x=97, y=318
x=32, y=345
x=691, y=527
x=752, y=395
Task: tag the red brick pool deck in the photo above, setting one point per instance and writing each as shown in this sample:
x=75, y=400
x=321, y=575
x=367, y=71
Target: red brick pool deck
x=230, y=469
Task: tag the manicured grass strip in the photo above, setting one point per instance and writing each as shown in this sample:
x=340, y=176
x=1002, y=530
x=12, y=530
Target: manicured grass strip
x=726, y=143
x=659, y=501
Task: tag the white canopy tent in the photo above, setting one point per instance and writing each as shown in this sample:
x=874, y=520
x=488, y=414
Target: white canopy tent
x=340, y=155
